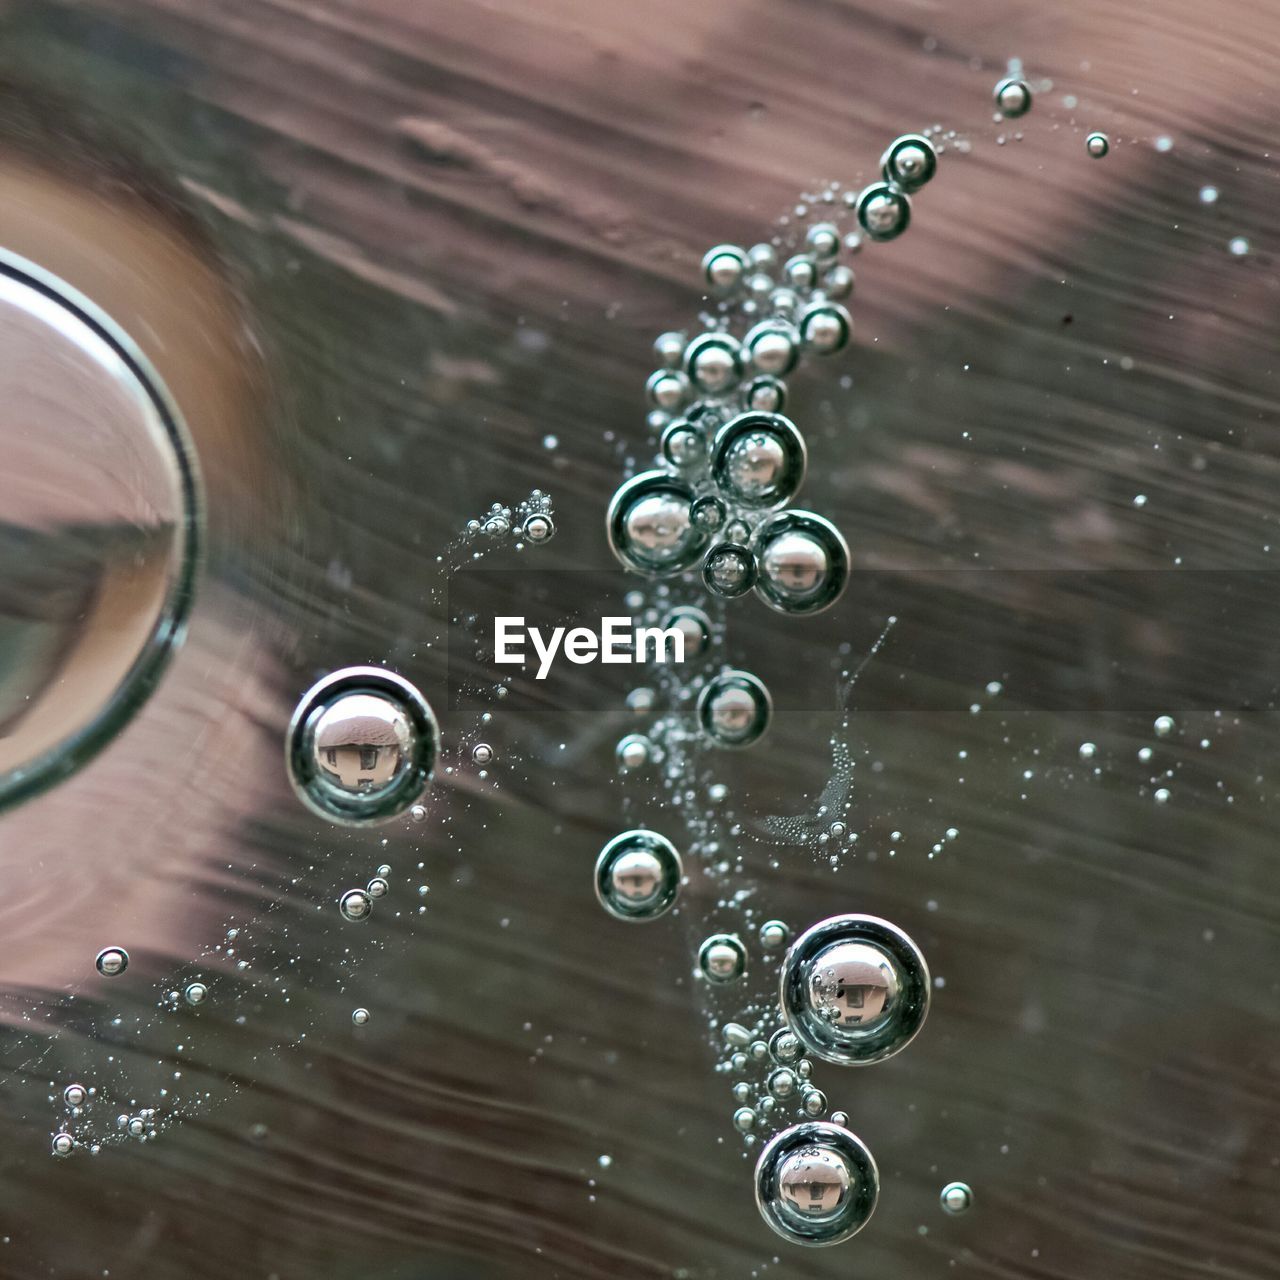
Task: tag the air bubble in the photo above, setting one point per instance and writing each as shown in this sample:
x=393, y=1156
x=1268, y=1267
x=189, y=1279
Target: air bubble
x=195, y=993
x=1097, y=145
x=667, y=389
x=111, y=962
x=854, y=989
x=774, y=934
x=482, y=753
x=783, y=1083
x=759, y=459
x=75, y=1095
x=884, y=211
x=683, y=446
x=539, y=528
x=814, y=1103
x=362, y=746
x=956, y=1197
x=800, y=272
x=729, y=570
x=694, y=625
x=722, y=958
x=816, y=1184
x=803, y=561
x=708, y=512
x=1163, y=726
x=63, y=1144
x=634, y=751
x=784, y=1047
x=638, y=875
x=650, y=525
x=767, y=394
x=909, y=162
x=669, y=349
x=723, y=267
x=355, y=905
x=734, y=709
x=377, y=887
x=838, y=283
x=825, y=327
x=360, y=1017
x=823, y=241
x=1013, y=97
x=713, y=362
x=773, y=347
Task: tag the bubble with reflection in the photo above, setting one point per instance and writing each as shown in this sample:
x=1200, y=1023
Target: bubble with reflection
x=723, y=267
x=803, y=562
x=854, y=989
x=362, y=746
x=816, y=1184
x=634, y=751
x=722, y=958
x=884, y=211
x=729, y=570
x=650, y=525
x=773, y=347
x=758, y=459
x=1012, y=97
x=638, y=875
x=825, y=327
x=909, y=162
x=713, y=363
x=112, y=961
x=98, y=542
x=734, y=709
x=355, y=905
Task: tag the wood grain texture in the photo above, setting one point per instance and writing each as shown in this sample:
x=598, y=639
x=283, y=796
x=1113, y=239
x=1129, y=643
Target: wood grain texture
x=384, y=197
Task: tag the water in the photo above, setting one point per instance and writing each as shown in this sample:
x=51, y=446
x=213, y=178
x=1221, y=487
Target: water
x=909, y=487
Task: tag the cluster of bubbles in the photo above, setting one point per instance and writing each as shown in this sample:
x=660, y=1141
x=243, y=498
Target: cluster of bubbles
x=713, y=516
x=729, y=459
x=361, y=749
x=529, y=521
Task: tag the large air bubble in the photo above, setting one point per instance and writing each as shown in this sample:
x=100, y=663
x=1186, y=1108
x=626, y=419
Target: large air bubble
x=362, y=746
x=816, y=1184
x=854, y=989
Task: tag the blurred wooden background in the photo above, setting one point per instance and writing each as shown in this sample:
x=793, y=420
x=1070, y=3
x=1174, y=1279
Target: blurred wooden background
x=380, y=250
